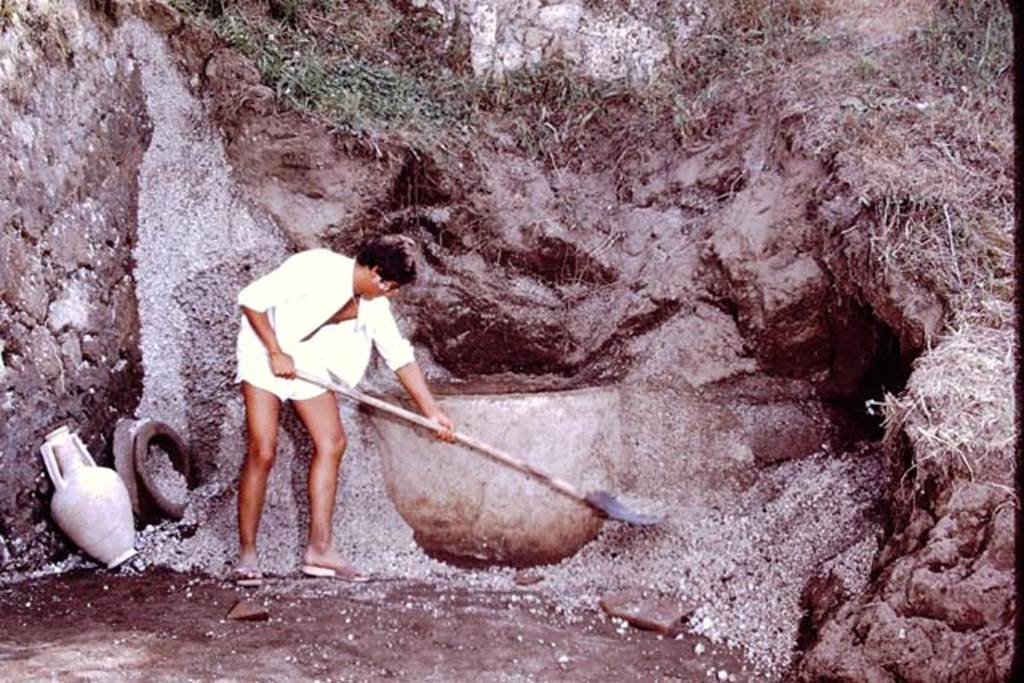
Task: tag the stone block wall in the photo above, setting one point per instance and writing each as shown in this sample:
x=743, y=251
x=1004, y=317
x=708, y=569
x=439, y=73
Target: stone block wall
x=601, y=40
x=72, y=133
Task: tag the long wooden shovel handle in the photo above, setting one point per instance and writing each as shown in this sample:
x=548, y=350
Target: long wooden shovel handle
x=554, y=482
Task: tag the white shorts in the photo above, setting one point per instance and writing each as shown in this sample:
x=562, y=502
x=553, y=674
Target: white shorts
x=254, y=368
x=348, y=350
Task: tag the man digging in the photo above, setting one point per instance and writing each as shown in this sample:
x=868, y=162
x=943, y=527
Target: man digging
x=318, y=310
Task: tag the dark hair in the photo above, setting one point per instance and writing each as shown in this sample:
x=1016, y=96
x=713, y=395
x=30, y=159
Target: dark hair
x=393, y=255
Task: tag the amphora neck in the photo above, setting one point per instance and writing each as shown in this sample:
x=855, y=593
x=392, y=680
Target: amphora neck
x=65, y=449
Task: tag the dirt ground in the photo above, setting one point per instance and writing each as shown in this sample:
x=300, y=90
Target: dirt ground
x=166, y=626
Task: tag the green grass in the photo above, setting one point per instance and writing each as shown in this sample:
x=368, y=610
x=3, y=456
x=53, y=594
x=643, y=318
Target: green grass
x=549, y=109
x=328, y=78
x=8, y=14
x=368, y=68
x=742, y=47
x=337, y=61
x=557, y=114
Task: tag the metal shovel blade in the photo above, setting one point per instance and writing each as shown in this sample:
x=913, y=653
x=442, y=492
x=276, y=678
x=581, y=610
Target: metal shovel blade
x=608, y=505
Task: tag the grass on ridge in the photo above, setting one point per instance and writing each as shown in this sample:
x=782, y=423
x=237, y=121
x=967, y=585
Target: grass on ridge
x=367, y=67
x=331, y=79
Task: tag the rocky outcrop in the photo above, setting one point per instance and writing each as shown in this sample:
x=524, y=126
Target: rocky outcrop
x=72, y=133
x=942, y=605
x=606, y=43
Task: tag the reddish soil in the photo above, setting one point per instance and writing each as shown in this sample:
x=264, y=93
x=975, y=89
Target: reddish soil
x=166, y=626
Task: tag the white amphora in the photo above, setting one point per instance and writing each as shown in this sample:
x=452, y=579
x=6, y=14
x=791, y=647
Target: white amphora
x=90, y=504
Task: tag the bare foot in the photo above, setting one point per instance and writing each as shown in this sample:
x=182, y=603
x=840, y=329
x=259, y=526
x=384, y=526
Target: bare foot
x=247, y=561
x=330, y=564
x=246, y=571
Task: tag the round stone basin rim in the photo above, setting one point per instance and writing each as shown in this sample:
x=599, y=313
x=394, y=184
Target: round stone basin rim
x=509, y=389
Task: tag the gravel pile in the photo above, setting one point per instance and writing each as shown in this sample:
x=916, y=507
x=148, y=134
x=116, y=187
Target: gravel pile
x=168, y=481
x=741, y=567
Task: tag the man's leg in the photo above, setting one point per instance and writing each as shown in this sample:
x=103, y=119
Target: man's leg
x=320, y=416
x=262, y=410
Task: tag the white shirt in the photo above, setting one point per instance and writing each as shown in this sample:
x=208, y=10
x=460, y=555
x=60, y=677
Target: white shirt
x=301, y=294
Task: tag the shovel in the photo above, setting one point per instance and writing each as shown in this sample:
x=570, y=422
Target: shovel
x=602, y=503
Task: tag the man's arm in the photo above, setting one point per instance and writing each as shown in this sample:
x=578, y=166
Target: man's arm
x=281, y=364
x=412, y=379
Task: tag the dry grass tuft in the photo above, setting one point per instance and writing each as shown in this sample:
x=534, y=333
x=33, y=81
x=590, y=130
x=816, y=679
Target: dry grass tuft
x=744, y=49
x=962, y=252
x=958, y=407
x=767, y=19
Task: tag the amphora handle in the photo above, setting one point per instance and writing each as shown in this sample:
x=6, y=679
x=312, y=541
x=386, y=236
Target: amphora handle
x=65, y=440
x=52, y=468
